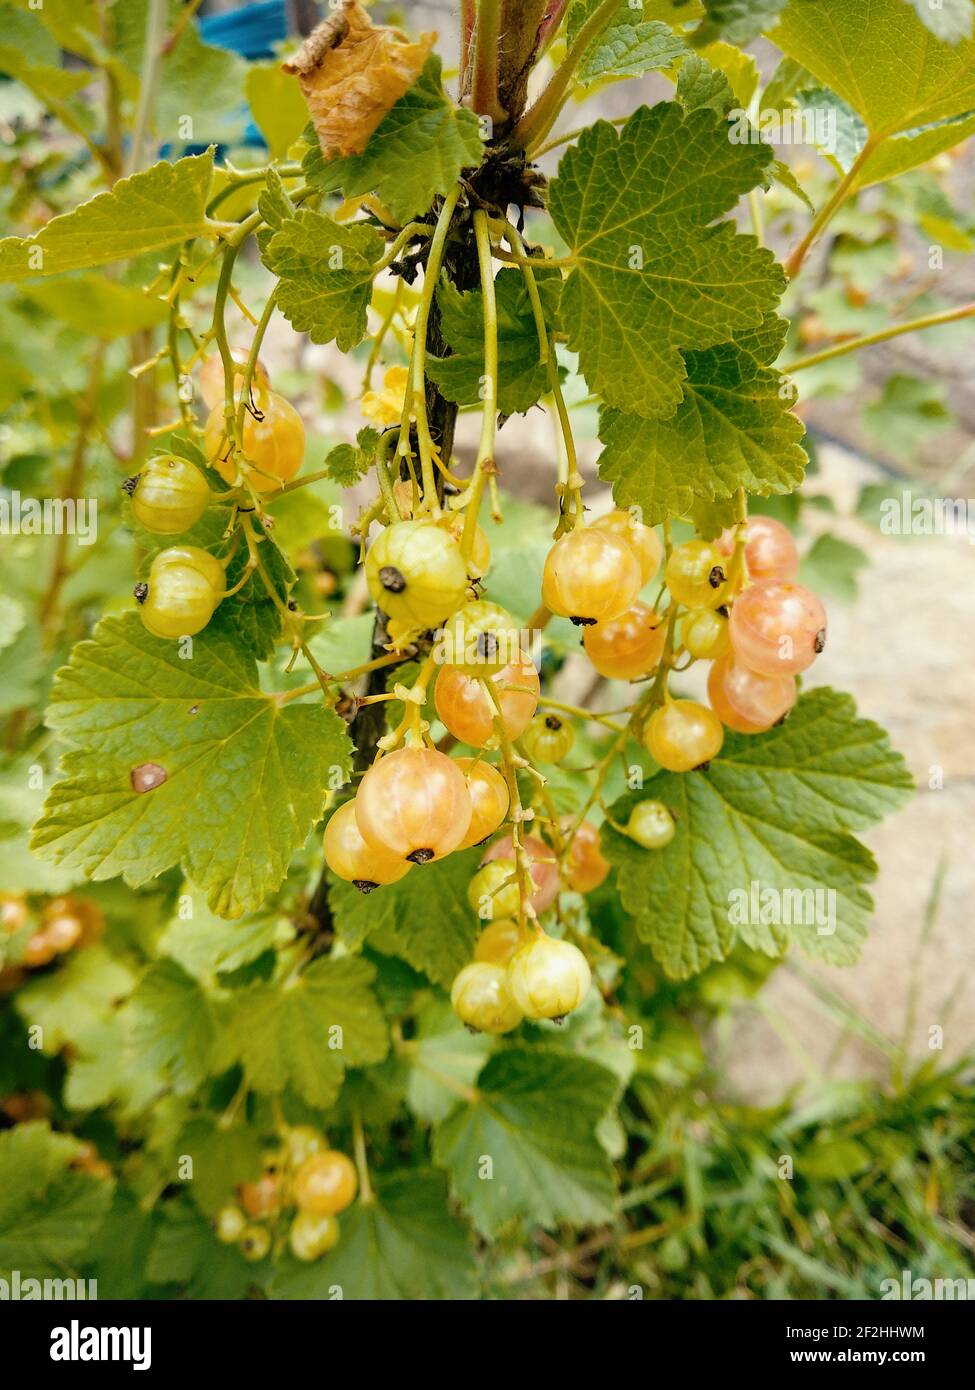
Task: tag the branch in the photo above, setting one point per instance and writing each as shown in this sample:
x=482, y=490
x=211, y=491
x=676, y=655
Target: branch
x=964, y=311
x=535, y=124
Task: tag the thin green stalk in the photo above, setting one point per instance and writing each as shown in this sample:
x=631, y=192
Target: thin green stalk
x=489, y=404
x=963, y=311
x=403, y=238
x=829, y=210
x=570, y=479
x=152, y=56
x=415, y=395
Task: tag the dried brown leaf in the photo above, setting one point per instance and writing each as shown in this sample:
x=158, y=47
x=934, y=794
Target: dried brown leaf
x=351, y=72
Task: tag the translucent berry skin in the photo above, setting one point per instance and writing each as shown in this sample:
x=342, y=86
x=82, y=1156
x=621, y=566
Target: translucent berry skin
x=696, y=574
x=489, y=799
x=643, y=540
x=82, y=910
x=770, y=551
x=255, y=1243
x=777, y=629
x=414, y=804
x=493, y=891
x=261, y=1198
x=273, y=447
x=548, y=739
x=705, y=634
x=184, y=587
x=590, y=576
x=480, y=639
x=627, y=647
x=416, y=573
x=170, y=496
x=745, y=701
x=544, y=869
x=212, y=378
x=480, y=561
x=651, y=825
x=38, y=951
x=350, y=858
x=13, y=913
x=231, y=1223
x=480, y=997
x=312, y=1236
x=548, y=978
x=468, y=712
x=63, y=932
x=498, y=942
x=300, y=1142
x=587, y=866
x=325, y=1184
x=682, y=735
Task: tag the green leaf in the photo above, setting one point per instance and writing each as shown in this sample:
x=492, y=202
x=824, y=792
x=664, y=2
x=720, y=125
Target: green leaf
x=187, y=1253
x=908, y=412
x=950, y=20
x=442, y=1051
x=347, y=463
x=832, y=565
x=326, y=270
x=222, y=1157
x=147, y=212
x=80, y=995
x=416, y=152
x=425, y=917
x=522, y=376
x=915, y=95
x=48, y=1214
x=628, y=46
x=12, y=619
x=277, y=106
x=534, y=1121
x=833, y=1159
x=245, y=779
x=197, y=80
x=205, y=945
x=403, y=1245
x=775, y=810
x=307, y=1030
x=175, y=1028
x=733, y=429
x=736, y=21
x=651, y=275
x=96, y=306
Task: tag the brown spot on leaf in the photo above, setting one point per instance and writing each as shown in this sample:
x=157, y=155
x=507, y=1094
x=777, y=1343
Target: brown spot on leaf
x=147, y=776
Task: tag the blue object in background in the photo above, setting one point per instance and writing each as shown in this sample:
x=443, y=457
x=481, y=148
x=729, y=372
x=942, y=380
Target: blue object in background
x=252, y=32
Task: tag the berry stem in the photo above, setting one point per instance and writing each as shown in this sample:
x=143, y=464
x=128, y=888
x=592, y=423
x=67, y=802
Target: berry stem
x=830, y=208
x=517, y=812
x=962, y=311
x=414, y=397
x=570, y=480
x=366, y=1194
x=489, y=406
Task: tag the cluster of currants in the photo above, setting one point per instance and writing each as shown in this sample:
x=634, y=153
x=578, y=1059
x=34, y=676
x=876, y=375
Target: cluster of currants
x=760, y=629
x=64, y=924
x=305, y=1176
x=170, y=495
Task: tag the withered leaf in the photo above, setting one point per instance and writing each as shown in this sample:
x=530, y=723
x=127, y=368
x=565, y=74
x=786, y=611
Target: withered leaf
x=351, y=73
